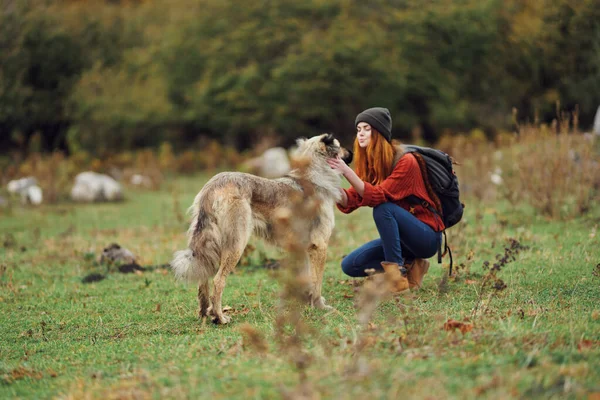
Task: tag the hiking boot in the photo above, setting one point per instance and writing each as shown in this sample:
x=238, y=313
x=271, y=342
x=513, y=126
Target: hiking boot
x=416, y=272
x=396, y=277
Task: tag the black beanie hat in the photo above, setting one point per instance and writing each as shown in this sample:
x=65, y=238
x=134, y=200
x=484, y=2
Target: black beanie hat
x=379, y=118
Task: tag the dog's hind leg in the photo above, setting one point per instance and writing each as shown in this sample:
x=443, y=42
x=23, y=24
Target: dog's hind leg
x=317, y=253
x=203, y=299
x=235, y=237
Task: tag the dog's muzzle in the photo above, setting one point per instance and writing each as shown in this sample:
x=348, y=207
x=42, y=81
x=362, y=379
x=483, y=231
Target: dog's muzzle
x=346, y=155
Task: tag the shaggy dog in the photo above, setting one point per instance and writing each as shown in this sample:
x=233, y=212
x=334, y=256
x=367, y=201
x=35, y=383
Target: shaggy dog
x=233, y=205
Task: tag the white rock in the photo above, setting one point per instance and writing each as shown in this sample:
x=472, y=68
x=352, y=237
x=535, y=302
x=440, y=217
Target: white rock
x=496, y=179
x=18, y=185
x=114, y=253
x=32, y=195
x=91, y=186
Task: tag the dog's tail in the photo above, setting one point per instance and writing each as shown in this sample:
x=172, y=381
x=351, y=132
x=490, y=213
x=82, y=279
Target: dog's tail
x=200, y=261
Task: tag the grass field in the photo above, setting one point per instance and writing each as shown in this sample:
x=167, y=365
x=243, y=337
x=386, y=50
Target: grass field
x=137, y=336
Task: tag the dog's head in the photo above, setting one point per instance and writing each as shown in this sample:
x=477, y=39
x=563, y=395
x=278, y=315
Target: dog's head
x=325, y=145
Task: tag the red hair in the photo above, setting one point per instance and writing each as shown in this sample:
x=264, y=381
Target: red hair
x=375, y=162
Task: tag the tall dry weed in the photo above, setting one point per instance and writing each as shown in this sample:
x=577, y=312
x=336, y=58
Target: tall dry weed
x=476, y=159
x=53, y=172
x=291, y=329
x=555, y=169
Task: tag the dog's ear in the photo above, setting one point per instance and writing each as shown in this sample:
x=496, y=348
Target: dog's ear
x=328, y=139
x=301, y=140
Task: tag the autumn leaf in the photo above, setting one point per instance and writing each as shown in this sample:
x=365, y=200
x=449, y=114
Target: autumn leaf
x=585, y=344
x=452, y=325
x=243, y=310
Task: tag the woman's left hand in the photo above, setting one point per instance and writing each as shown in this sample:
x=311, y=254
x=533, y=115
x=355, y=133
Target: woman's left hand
x=338, y=164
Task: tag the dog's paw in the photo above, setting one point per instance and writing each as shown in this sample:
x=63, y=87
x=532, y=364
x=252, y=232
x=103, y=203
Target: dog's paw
x=320, y=303
x=203, y=313
x=223, y=319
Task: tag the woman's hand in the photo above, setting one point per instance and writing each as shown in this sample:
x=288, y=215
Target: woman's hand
x=339, y=165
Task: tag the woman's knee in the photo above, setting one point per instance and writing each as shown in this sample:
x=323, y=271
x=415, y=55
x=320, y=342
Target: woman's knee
x=383, y=209
x=348, y=267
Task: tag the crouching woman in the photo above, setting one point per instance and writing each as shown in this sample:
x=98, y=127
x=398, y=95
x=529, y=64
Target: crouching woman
x=388, y=180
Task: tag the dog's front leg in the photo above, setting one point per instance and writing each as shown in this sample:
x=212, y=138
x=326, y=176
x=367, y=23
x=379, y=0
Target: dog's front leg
x=318, y=255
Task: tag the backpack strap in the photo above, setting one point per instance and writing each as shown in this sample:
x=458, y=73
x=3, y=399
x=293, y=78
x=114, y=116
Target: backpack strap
x=412, y=199
x=446, y=250
x=424, y=174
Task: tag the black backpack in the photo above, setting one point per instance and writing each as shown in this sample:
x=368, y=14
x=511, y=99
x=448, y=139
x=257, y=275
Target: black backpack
x=444, y=183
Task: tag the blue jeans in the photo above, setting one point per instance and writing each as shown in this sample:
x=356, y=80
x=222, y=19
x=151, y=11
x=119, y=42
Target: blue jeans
x=402, y=239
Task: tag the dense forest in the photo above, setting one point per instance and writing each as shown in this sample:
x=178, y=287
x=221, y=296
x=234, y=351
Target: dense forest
x=114, y=75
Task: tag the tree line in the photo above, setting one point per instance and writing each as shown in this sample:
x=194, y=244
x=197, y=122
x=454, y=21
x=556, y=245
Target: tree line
x=109, y=75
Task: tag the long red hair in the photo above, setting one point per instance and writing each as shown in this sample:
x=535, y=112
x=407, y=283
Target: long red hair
x=375, y=162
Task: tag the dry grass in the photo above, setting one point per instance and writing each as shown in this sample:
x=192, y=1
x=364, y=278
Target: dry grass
x=55, y=172
x=553, y=168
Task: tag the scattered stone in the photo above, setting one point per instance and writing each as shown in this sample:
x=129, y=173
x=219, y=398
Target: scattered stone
x=91, y=187
x=32, y=195
x=116, y=254
x=496, y=177
x=18, y=185
x=28, y=189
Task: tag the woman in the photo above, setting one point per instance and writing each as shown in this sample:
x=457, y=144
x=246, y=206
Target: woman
x=385, y=177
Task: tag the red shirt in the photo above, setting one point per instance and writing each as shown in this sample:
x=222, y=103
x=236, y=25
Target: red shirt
x=405, y=180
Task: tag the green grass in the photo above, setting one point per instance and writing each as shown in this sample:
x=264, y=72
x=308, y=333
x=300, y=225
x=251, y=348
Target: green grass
x=137, y=335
